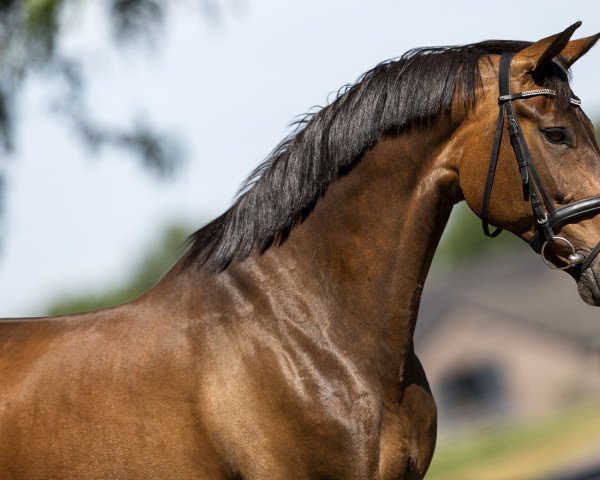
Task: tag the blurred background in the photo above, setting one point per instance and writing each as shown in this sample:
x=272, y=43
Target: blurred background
x=127, y=124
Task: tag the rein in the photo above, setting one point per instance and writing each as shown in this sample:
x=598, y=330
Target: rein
x=548, y=218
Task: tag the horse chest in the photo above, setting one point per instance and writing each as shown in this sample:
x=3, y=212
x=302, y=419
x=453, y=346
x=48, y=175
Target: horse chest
x=320, y=417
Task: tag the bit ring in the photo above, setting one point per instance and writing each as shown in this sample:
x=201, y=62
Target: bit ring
x=573, y=259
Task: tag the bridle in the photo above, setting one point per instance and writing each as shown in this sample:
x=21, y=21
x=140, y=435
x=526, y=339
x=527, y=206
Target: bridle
x=548, y=218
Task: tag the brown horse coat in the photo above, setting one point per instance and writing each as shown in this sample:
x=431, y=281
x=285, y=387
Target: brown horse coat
x=281, y=346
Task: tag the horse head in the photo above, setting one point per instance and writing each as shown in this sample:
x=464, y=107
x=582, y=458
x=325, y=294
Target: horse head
x=542, y=182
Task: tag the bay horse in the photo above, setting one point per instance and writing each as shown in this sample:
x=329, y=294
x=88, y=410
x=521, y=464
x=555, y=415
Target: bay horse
x=280, y=346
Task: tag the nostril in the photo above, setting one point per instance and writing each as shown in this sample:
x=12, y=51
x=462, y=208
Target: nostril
x=588, y=288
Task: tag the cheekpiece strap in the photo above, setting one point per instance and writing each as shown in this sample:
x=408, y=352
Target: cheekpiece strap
x=504, y=89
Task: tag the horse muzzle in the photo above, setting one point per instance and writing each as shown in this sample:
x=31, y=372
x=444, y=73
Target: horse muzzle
x=588, y=285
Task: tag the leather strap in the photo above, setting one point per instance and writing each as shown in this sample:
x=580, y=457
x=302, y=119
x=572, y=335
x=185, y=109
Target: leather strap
x=590, y=258
x=575, y=211
x=570, y=213
x=504, y=89
x=490, y=177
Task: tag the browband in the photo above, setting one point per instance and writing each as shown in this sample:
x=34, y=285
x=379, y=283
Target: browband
x=533, y=93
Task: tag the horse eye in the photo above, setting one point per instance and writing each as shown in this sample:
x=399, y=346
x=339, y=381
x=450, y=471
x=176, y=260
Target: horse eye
x=556, y=135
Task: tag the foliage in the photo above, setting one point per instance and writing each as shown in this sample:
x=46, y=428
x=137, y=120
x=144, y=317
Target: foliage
x=148, y=271
x=30, y=46
x=30, y=33
x=464, y=240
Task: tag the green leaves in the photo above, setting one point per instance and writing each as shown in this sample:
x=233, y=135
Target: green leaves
x=463, y=240
x=41, y=26
x=137, y=19
x=30, y=31
x=30, y=47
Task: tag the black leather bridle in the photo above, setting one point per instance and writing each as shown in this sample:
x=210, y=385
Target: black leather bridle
x=548, y=218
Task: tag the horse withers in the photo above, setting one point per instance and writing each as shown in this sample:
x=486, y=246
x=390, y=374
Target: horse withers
x=280, y=346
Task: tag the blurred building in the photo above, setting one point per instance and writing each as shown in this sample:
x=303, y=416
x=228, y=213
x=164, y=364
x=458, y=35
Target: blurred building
x=505, y=340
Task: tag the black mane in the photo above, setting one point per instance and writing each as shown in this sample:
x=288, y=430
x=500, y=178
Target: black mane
x=410, y=92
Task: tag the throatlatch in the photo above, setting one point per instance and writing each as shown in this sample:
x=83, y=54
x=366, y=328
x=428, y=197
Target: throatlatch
x=548, y=218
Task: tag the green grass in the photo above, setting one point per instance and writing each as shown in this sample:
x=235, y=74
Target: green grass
x=460, y=459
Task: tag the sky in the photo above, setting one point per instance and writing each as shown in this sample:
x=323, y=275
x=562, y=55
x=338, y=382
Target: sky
x=78, y=223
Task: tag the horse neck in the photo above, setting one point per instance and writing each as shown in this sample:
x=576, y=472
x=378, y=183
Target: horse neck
x=360, y=258
x=373, y=236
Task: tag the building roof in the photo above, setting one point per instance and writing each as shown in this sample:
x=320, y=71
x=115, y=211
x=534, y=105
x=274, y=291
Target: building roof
x=516, y=286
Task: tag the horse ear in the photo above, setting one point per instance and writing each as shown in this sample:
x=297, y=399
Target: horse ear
x=543, y=51
x=576, y=49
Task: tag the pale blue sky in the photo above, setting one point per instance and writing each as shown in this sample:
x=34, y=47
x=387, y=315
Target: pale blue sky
x=77, y=224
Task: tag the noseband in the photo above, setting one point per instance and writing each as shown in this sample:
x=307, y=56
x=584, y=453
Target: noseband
x=548, y=218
